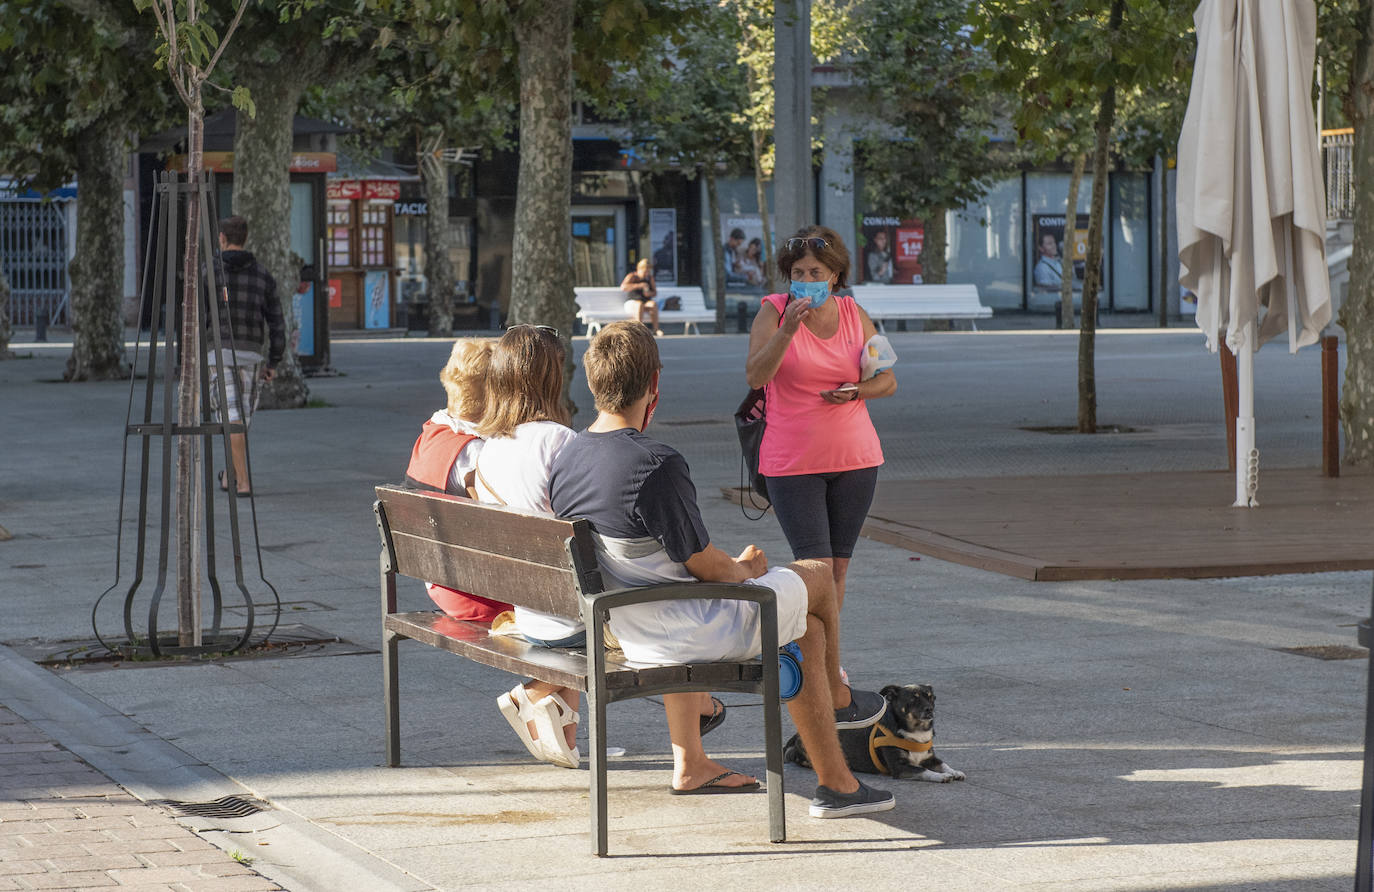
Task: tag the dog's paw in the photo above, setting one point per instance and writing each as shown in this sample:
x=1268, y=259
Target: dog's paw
x=954, y=773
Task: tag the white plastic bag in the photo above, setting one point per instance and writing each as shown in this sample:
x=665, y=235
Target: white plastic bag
x=878, y=355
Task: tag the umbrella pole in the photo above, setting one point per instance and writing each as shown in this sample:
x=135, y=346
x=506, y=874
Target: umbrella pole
x=1247, y=456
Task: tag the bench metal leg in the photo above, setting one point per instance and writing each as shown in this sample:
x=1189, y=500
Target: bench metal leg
x=596, y=758
x=392, y=696
x=772, y=728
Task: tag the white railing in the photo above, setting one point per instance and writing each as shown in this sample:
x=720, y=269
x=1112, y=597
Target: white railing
x=1338, y=151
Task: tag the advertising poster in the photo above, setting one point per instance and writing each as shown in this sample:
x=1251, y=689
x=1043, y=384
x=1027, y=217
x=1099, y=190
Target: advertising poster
x=742, y=253
x=663, y=244
x=303, y=305
x=892, y=251
x=377, y=297
x=1057, y=251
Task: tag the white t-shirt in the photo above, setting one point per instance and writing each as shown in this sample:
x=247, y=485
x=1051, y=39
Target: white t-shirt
x=466, y=461
x=515, y=471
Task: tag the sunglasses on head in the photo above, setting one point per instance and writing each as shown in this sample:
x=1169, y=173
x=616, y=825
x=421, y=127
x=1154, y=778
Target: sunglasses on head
x=800, y=244
x=549, y=329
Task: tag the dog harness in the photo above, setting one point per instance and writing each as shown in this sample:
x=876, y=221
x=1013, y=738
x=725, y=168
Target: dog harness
x=879, y=736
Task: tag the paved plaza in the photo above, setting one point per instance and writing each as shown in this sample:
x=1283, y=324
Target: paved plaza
x=1117, y=735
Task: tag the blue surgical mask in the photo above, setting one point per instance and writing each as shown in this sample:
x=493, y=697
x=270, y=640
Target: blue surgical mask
x=819, y=292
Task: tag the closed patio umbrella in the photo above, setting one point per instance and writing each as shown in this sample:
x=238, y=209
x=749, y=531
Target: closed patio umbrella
x=1251, y=205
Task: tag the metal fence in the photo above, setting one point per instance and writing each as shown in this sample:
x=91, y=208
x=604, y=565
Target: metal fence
x=33, y=254
x=1338, y=152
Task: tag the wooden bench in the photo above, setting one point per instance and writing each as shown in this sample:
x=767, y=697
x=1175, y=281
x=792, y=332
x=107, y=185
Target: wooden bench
x=921, y=302
x=597, y=306
x=549, y=564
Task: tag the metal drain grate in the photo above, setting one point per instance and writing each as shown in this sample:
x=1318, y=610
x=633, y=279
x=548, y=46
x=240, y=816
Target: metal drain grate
x=1327, y=652
x=223, y=807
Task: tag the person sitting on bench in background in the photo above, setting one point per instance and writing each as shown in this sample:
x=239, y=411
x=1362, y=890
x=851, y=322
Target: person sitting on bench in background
x=445, y=455
x=638, y=496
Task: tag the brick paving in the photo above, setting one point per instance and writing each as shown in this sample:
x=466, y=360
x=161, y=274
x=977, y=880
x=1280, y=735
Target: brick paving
x=64, y=825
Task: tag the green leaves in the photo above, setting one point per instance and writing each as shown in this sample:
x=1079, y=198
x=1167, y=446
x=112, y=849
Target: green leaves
x=243, y=101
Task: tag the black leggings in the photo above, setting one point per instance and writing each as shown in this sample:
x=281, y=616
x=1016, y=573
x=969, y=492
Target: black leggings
x=821, y=514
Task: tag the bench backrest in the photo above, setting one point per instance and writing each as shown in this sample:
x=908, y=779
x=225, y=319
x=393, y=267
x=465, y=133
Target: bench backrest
x=521, y=557
x=612, y=300
x=961, y=293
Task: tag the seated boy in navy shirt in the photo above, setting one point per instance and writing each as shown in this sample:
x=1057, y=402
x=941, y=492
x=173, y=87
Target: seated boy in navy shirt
x=638, y=495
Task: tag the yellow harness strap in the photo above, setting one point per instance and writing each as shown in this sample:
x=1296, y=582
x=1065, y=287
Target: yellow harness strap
x=880, y=737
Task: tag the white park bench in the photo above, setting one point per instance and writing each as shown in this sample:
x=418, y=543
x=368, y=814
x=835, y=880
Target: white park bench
x=597, y=306
x=921, y=302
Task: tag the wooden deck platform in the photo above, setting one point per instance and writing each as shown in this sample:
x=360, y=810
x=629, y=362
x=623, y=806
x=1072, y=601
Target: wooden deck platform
x=1132, y=526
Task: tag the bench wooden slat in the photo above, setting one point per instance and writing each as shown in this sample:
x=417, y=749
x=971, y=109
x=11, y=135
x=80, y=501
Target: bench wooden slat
x=563, y=666
x=502, y=531
x=536, y=586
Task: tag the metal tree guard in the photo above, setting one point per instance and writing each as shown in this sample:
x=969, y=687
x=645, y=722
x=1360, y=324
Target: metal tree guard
x=159, y=295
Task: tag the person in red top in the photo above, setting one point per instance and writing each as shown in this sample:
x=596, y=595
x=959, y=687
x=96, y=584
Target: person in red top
x=445, y=455
x=820, y=452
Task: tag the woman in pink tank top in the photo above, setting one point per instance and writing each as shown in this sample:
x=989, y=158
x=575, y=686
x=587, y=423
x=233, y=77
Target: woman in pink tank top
x=820, y=452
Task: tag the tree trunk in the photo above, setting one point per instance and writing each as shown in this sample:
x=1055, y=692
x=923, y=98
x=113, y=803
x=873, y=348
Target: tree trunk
x=438, y=244
x=718, y=276
x=262, y=196
x=1357, y=312
x=541, y=276
x=97, y=270
x=1080, y=161
x=1087, y=373
x=188, y=393
x=5, y=329
x=934, y=268
x=1163, y=243
x=761, y=189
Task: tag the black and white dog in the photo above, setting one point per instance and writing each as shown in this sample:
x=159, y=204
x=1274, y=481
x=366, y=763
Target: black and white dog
x=901, y=744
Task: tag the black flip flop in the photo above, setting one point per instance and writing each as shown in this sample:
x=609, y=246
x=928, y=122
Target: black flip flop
x=713, y=721
x=712, y=786
x=223, y=486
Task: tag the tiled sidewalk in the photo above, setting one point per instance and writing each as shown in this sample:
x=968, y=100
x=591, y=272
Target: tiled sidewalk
x=64, y=825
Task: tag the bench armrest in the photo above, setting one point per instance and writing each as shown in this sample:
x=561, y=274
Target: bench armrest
x=680, y=591
x=595, y=610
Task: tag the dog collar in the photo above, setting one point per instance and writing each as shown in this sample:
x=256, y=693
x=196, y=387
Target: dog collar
x=880, y=736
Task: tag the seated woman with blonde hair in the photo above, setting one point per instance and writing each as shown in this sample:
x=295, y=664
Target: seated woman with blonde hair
x=445, y=455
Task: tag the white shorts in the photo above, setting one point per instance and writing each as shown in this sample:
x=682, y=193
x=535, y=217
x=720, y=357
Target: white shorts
x=702, y=631
x=633, y=305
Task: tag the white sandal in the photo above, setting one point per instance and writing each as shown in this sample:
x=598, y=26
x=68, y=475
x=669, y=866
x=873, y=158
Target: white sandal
x=515, y=705
x=551, y=715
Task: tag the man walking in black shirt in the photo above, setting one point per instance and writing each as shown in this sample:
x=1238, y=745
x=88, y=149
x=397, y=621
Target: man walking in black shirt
x=249, y=312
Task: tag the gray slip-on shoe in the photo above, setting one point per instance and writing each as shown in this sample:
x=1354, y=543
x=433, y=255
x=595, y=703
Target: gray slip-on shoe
x=865, y=800
x=864, y=709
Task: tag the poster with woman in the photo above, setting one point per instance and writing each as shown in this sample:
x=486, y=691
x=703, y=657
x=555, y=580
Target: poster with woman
x=663, y=244
x=742, y=253
x=891, y=251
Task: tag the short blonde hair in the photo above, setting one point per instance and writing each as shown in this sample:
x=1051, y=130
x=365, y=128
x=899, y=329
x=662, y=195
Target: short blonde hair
x=620, y=363
x=464, y=377
x=524, y=381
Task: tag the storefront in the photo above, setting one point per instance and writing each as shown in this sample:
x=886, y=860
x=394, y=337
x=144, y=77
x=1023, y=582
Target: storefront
x=360, y=253
x=308, y=173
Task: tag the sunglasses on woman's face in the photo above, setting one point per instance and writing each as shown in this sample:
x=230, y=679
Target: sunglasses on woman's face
x=800, y=244
x=549, y=329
